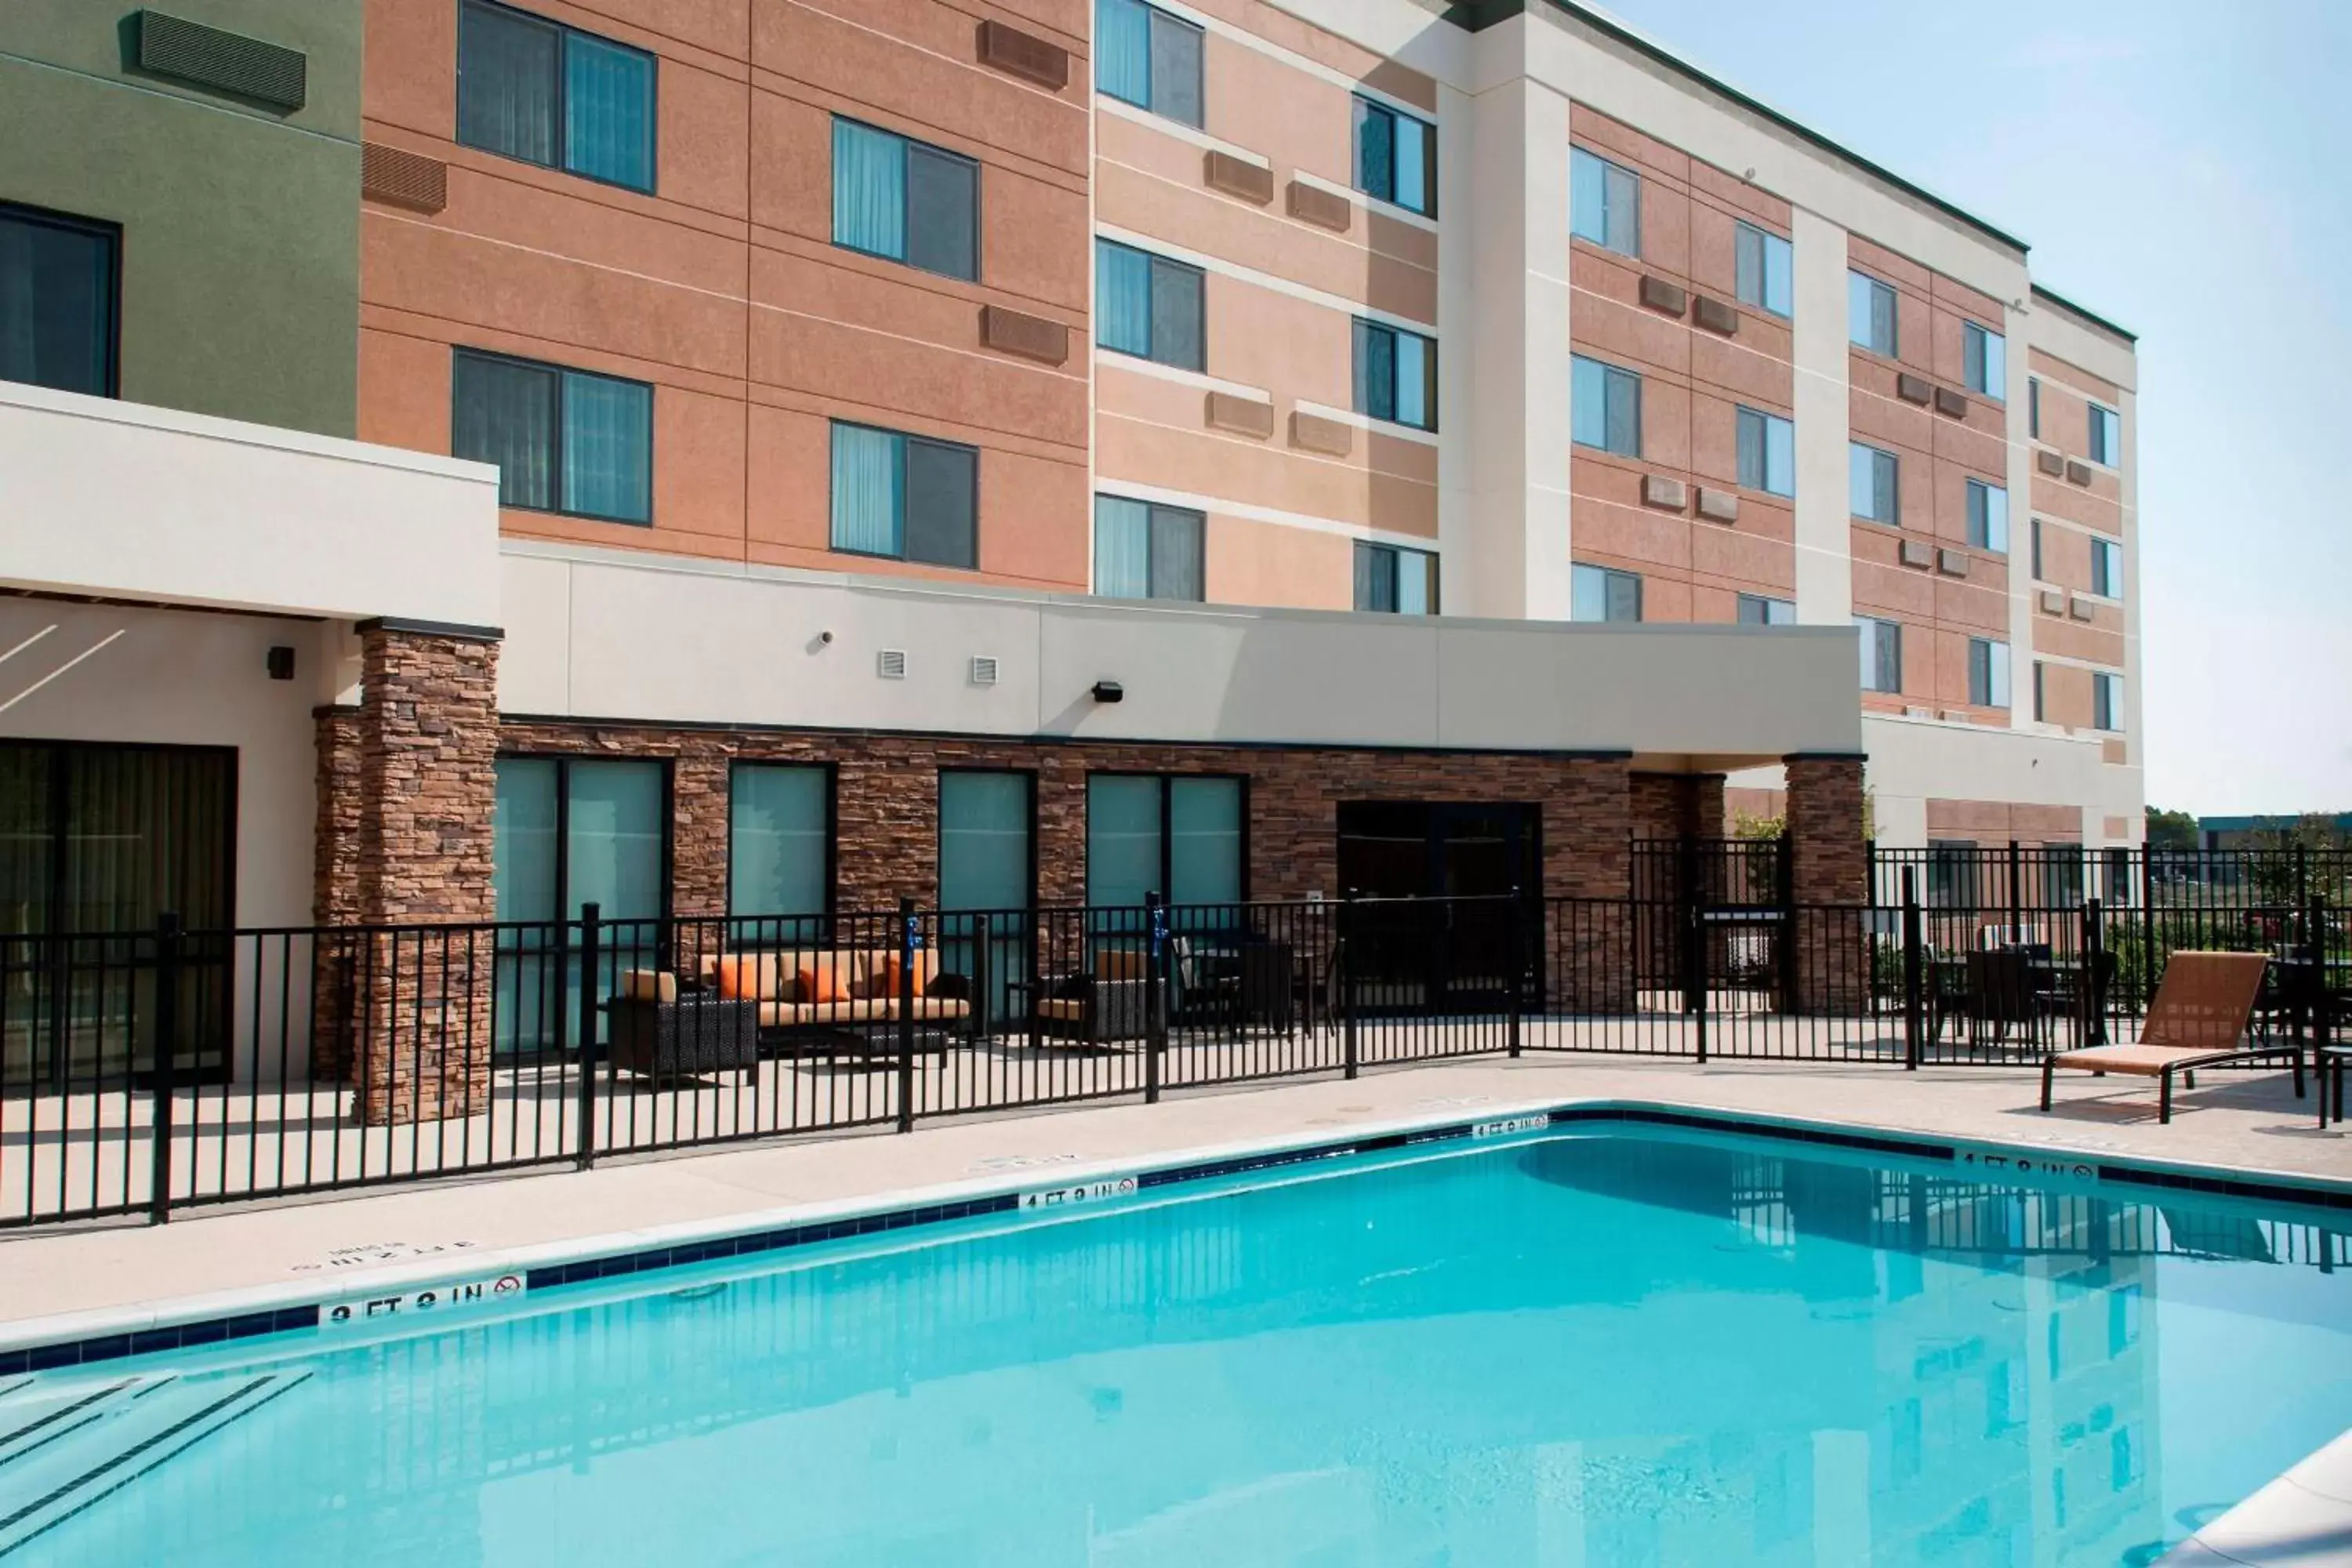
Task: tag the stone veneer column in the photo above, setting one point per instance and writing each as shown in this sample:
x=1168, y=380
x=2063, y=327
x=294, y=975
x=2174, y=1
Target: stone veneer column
x=427, y=734
x=1830, y=868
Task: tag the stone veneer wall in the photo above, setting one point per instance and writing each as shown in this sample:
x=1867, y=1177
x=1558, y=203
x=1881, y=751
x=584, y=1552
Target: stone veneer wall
x=407, y=790
x=886, y=802
x=1671, y=805
x=1831, y=866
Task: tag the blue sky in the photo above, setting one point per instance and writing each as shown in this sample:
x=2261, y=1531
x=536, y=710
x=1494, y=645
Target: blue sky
x=2181, y=169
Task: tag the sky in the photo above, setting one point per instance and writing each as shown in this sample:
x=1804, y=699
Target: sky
x=2184, y=170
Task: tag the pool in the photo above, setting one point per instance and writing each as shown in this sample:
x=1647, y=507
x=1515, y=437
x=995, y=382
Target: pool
x=1606, y=1346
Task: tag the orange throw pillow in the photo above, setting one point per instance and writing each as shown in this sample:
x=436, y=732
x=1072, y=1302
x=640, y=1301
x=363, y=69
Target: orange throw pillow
x=731, y=979
x=926, y=966
x=827, y=978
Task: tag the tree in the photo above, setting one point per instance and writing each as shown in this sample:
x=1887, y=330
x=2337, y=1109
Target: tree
x=2171, y=829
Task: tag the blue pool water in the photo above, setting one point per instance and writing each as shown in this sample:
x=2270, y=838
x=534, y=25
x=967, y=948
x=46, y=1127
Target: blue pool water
x=1592, y=1350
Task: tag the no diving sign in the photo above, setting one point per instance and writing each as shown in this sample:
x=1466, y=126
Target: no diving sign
x=421, y=1303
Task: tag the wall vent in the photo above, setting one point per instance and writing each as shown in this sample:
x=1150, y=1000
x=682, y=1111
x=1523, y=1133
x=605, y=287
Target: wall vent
x=983, y=669
x=1033, y=58
x=227, y=62
x=891, y=664
x=402, y=178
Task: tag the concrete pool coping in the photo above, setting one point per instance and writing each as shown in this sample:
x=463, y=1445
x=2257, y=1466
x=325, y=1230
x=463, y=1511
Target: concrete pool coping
x=358, y=1279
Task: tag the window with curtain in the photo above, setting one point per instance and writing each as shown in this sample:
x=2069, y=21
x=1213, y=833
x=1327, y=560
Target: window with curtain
x=1756, y=610
x=2107, y=567
x=1396, y=157
x=1988, y=509
x=1988, y=673
x=1984, y=360
x=1604, y=406
x=1145, y=56
x=547, y=94
x=907, y=497
x=2106, y=436
x=1870, y=315
x=1391, y=580
x=563, y=440
x=1873, y=482
x=1396, y=374
x=1604, y=594
x=1604, y=202
x=1144, y=550
x=1178, y=835
x=2034, y=532
x=1768, y=452
x=2106, y=701
x=779, y=839
x=905, y=201
x=568, y=832
x=1149, y=306
x=985, y=830
x=2041, y=692
x=58, y=290
x=1881, y=654
x=1766, y=268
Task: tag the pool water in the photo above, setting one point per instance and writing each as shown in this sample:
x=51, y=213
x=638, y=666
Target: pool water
x=1593, y=1349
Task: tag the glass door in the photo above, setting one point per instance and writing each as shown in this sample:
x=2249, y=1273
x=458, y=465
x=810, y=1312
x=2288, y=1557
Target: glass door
x=96, y=844
x=567, y=833
x=988, y=866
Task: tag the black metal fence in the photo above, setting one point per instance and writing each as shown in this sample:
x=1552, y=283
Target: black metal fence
x=148, y=1072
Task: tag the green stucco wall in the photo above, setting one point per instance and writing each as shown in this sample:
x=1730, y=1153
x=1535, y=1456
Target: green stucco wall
x=240, y=224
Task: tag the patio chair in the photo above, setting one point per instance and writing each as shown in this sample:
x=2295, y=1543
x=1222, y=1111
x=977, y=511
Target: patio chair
x=2198, y=1019
x=2004, y=993
x=1109, y=1004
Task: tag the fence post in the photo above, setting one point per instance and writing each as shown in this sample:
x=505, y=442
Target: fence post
x=1914, y=1010
x=590, y=960
x=2147, y=929
x=983, y=982
x=1155, y=996
x=2315, y=949
x=1345, y=961
x=1519, y=946
x=2095, y=972
x=910, y=941
x=1695, y=967
x=169, y=942
x=2016, y=893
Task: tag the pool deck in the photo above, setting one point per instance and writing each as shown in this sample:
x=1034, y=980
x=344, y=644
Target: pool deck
x=60, y=1283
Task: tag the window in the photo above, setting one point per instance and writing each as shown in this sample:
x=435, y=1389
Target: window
x=1396, y=376
x=1604, y=406
x=1148, y=57
x=907, y=497
x=905, y=200
x=1180, y=836
x=779, y=842
x=1882, y=655
x=1147, y=552
x=1952, y=873
x=57, y=295
x=2033, y=406
x=1984, y=360
x=2106, y=436
x=566, y=833
x=988, y=863
x=1768, y=453
x=1988, y=673
x=2036, y=533
x=563, y=440
x=1754, y=610
x=1604, y=203
x=1390, y=580
x=1396, y=157
x=2107, y=567
x=1767, y=274
x=1602, y=593
x=2106, y=701
x=1870, y=320
x=2041, y=701
x=531, y=89
x=1149, y=306
x=1988, y=517
x=1872, y=477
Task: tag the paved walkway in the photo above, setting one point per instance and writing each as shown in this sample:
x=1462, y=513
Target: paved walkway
x=2248, y=1122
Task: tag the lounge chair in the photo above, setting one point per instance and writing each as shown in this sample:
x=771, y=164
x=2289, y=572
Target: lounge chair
x=2198, y=1019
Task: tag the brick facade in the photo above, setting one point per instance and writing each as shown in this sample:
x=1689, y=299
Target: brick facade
x=1831, y=866
x=1676, y=805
